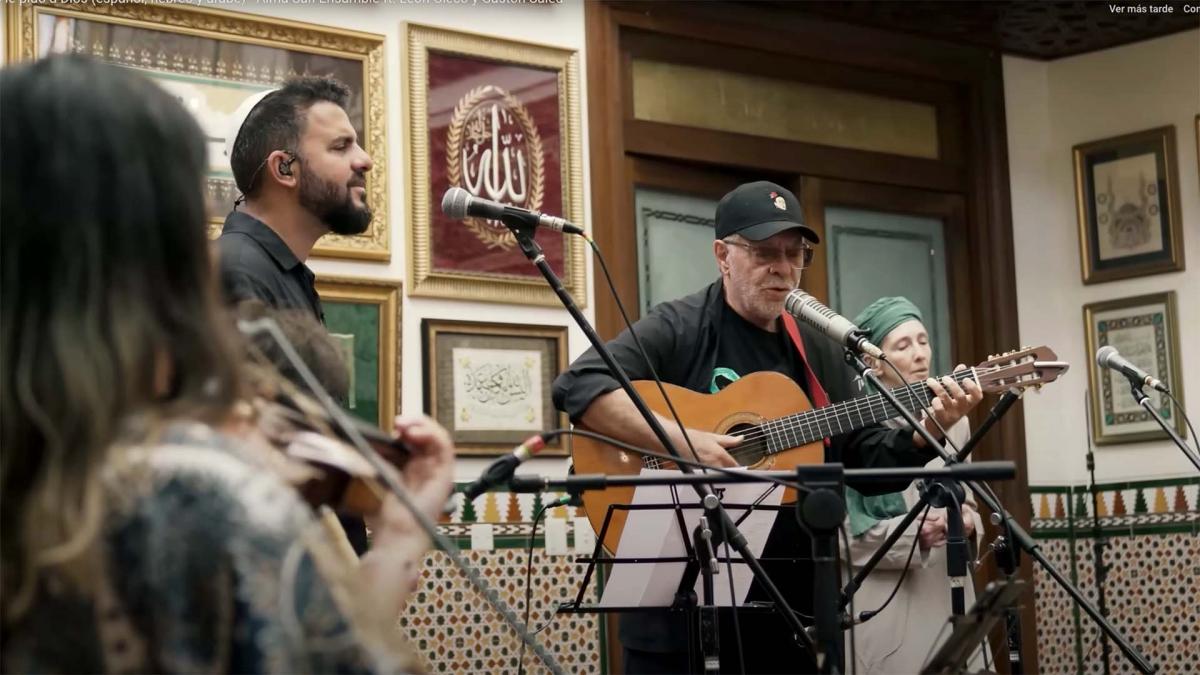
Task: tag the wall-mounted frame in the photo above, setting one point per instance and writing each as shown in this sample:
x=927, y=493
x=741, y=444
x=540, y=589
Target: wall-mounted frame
x=364, y=319
x=501, y=120
x=1198, y=149
x=1127, y=202
x=1144, y=330
x=489, y=383
x=213, y=60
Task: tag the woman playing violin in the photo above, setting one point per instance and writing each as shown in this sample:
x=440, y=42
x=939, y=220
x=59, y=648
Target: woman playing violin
x=144, y=525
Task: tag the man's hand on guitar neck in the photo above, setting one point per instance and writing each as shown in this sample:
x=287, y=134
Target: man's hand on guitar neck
x=950, y=404
x=614, y=414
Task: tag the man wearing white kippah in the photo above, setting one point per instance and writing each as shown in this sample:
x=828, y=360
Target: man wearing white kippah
x=296, y=159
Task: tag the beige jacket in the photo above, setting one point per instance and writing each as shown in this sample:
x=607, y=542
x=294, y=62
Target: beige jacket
x=900, y=638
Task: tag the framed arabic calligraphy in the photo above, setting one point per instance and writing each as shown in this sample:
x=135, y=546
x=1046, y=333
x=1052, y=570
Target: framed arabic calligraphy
x=489, y=383
x=213, y=60
x=1145, y=331
x=501, y=120
x=1127, y=202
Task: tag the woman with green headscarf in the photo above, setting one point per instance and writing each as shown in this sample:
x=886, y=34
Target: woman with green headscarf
x=899, y=639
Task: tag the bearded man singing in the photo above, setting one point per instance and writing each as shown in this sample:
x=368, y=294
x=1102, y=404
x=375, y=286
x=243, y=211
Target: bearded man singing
x=297, y=161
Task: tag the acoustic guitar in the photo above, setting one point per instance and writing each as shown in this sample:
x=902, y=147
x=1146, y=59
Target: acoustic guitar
x=779, y=426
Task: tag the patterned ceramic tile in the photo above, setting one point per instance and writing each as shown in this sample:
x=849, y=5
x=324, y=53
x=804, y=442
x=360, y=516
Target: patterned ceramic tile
x=1152, y=536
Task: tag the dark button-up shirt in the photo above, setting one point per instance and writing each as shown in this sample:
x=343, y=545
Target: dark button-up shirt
x=256, y=264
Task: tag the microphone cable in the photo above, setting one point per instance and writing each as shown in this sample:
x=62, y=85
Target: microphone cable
x=1183, y=414
x=641, y=350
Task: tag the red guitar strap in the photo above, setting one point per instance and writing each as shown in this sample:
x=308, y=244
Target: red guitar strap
x=819, y=398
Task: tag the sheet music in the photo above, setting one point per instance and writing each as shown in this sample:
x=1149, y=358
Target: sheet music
x=655, y=533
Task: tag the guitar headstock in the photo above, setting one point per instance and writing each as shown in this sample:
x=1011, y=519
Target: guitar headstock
x=1028, y=367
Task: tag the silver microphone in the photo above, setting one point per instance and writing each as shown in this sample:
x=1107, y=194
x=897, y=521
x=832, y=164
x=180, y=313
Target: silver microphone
x=1108, y=357
x=458, y=204
x=835, y=326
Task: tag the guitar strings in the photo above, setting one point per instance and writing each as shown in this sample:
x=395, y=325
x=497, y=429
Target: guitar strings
x=756, y=441
x=867, y=403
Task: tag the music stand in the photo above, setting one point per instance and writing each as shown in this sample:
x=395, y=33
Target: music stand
x=682, y=554
x=972, y=628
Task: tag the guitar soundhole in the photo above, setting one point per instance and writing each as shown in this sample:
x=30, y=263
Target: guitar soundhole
x=753, y=449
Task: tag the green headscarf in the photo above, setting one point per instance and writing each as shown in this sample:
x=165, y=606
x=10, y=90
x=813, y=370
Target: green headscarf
x=882, y=316
x=877, y=320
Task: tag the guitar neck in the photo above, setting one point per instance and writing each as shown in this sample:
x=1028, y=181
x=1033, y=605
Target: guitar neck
x=813, y=425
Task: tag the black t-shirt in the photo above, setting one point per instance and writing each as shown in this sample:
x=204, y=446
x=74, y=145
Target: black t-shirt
x=745, y=348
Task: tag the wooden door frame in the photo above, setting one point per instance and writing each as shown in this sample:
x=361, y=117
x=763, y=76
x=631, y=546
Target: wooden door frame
x=971, y=124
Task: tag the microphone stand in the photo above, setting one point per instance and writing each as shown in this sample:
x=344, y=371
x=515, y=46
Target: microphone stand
x=1017, y=533
x=942, y=493
x=718, y=519
x=1143, y=400
x=1099, y=544
x=1006, y=401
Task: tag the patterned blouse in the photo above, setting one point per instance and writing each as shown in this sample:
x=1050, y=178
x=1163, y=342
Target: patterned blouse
x=208, y=562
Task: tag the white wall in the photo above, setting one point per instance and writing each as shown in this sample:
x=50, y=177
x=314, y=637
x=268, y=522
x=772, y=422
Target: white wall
x=558, y=25
x=1053, y=106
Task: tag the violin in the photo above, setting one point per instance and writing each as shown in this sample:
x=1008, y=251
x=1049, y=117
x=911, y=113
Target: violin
x=339, y=476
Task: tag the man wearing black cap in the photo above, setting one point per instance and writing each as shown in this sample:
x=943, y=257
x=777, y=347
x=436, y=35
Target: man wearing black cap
x=734, y=327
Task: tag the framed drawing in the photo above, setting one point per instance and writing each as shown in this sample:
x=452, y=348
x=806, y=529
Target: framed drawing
x=212, y=60
x=499, y=119
x=489, y=383
x=1127, y=201
x=364, y=319
x=1144, y=330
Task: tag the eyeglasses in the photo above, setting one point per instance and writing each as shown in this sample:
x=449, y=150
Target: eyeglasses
x=798, y=257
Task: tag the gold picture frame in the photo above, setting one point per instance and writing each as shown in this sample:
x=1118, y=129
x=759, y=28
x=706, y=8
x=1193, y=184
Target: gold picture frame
x=534, y=89
x=363, y=316
x=489, y=384
x=1145, y=330
x=1127, y=203
x=201, y=50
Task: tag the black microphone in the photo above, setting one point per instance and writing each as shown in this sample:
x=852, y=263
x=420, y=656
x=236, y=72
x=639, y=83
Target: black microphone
x=499, y=471
x=458, y=204
x=835, y=326
x=1108, y=357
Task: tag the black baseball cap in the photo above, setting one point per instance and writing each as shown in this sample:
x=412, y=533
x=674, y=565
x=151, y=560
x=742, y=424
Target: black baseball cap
x=761, y=210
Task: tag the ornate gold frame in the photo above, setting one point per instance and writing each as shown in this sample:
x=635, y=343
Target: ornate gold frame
x=1165, y=138
x=218, y=24
x=432, y=328
x=386, y=295
x=1175, y=383
x=422, y=279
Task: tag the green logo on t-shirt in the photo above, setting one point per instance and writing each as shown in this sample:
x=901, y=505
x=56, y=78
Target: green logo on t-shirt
x=729, y=375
